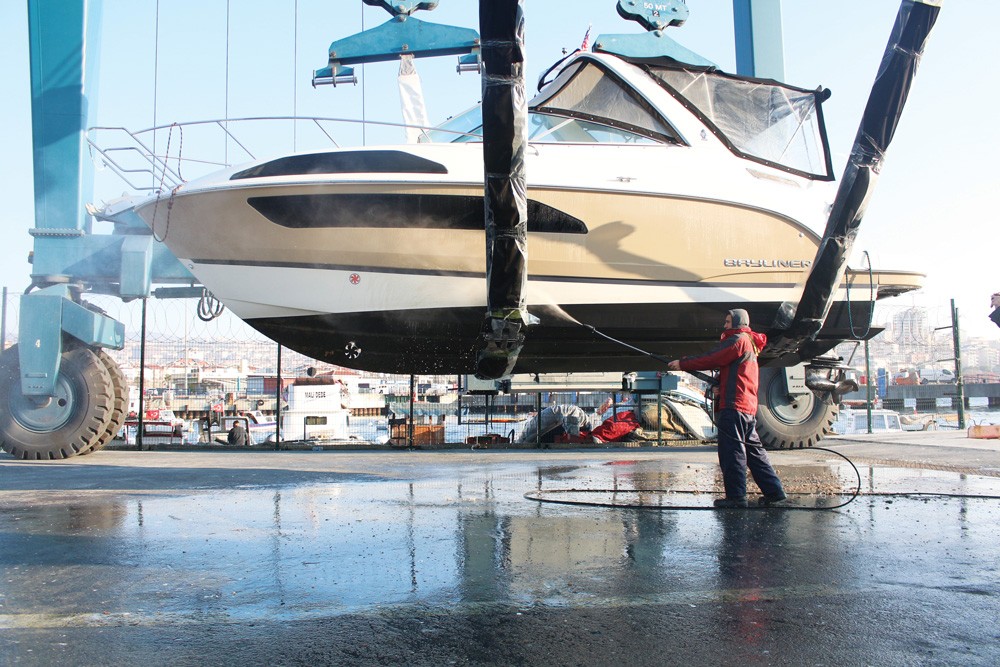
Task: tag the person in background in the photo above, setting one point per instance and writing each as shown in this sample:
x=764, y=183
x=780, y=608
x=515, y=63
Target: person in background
x=995, y=304
x=237, y=434
x=739, y=445
x=557, y=421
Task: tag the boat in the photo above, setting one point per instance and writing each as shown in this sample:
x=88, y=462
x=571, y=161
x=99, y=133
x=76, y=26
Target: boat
x=158, y=421
x=659, y=195
x=316, y=412
x=646, y=219
x=852, y=421
x=259, y=427
x=159, y=426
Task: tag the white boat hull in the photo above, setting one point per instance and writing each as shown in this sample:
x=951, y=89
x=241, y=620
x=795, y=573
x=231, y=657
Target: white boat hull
x=410, y=297
x=375, y=258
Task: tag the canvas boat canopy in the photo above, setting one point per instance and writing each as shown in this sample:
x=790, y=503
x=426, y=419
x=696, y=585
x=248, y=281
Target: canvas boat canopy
x=758, y=119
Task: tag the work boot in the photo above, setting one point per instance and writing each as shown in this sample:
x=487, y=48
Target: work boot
x=726, y=503
x=768, y=501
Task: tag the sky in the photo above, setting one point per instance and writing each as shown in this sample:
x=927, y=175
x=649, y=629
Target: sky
x=181, y=60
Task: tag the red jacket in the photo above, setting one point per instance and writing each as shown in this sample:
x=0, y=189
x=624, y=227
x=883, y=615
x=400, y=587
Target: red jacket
x=736, y=359
x=616, y=427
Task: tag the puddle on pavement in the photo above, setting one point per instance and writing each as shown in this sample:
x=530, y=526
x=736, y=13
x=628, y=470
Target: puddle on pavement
x=321, y=549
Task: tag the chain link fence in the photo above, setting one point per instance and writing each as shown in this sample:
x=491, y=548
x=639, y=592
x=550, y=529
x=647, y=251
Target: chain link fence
x=917, y=345
x=200, y=376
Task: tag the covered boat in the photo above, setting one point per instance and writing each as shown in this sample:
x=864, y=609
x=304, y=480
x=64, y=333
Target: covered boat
x=659, y=195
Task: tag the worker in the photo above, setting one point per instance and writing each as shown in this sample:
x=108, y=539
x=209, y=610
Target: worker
x=995, y=304
x=739, y=445
x=237, y=434
x=558, y=420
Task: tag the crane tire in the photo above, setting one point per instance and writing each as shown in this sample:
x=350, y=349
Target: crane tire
x=71, y=421
x=119, y=402
x=791, y=424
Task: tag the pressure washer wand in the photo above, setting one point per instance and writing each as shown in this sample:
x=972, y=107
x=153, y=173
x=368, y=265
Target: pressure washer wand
x=701, y=376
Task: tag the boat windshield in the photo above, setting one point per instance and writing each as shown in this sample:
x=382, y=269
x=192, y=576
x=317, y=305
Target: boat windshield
x=466, y=126
x=542, y=128
x=762, y=120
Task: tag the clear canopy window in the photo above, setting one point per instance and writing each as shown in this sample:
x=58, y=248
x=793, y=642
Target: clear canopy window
x=542, y=128
x=775, y=124
x=584, y=104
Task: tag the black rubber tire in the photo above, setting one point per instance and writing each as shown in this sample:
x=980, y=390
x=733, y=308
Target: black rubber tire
x=118, y=405
x=71, y=422
x=784, y=424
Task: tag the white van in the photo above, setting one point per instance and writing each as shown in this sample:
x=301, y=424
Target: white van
x=936, y=375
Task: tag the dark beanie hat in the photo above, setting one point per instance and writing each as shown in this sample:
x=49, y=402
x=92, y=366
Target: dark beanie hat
x=740, y=318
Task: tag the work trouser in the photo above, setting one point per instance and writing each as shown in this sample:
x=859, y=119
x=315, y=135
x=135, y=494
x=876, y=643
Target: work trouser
x=740, y=448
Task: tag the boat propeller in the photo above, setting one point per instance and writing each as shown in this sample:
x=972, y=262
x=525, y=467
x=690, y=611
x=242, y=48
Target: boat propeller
x=352, y=351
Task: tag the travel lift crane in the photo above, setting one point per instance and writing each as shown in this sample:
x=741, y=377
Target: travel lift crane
x=60, y=394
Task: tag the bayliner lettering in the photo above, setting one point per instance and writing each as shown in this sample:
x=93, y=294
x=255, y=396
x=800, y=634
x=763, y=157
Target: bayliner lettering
x=768, y=263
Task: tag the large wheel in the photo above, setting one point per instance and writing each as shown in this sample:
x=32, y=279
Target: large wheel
x=69, y=422
x=119, y=402
x=789, y=422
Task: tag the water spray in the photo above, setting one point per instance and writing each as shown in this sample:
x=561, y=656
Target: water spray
x=559, y=312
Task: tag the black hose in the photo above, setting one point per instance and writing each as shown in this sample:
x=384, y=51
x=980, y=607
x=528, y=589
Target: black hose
x=712, y=382
x=541, y=80
x=704, y=377
x=540, y=495
x=871, y=303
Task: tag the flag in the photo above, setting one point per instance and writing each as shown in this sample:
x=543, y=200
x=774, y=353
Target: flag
x=586, y=39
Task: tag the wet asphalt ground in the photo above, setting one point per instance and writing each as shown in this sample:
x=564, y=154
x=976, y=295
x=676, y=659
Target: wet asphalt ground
x=462, y=558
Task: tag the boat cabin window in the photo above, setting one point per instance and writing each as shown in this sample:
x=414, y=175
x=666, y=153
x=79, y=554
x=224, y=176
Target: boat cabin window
x=584, y=104
x=547, y=128
x=466, y=126
x=587, y=92
x=765, y=121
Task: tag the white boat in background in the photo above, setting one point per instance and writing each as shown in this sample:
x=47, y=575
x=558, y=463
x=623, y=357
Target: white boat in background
x=316, y=412
x=313, y=412
x=853, y=421
x=260, y=428
x=157, y=423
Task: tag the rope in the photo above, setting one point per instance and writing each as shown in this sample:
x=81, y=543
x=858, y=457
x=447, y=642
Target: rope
x=180, y=148
x=364, y=82
x=541, y=80
x=295, y=71
x=541, y=496
x=163, y=176
x=156, y=71
x=225, y=149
